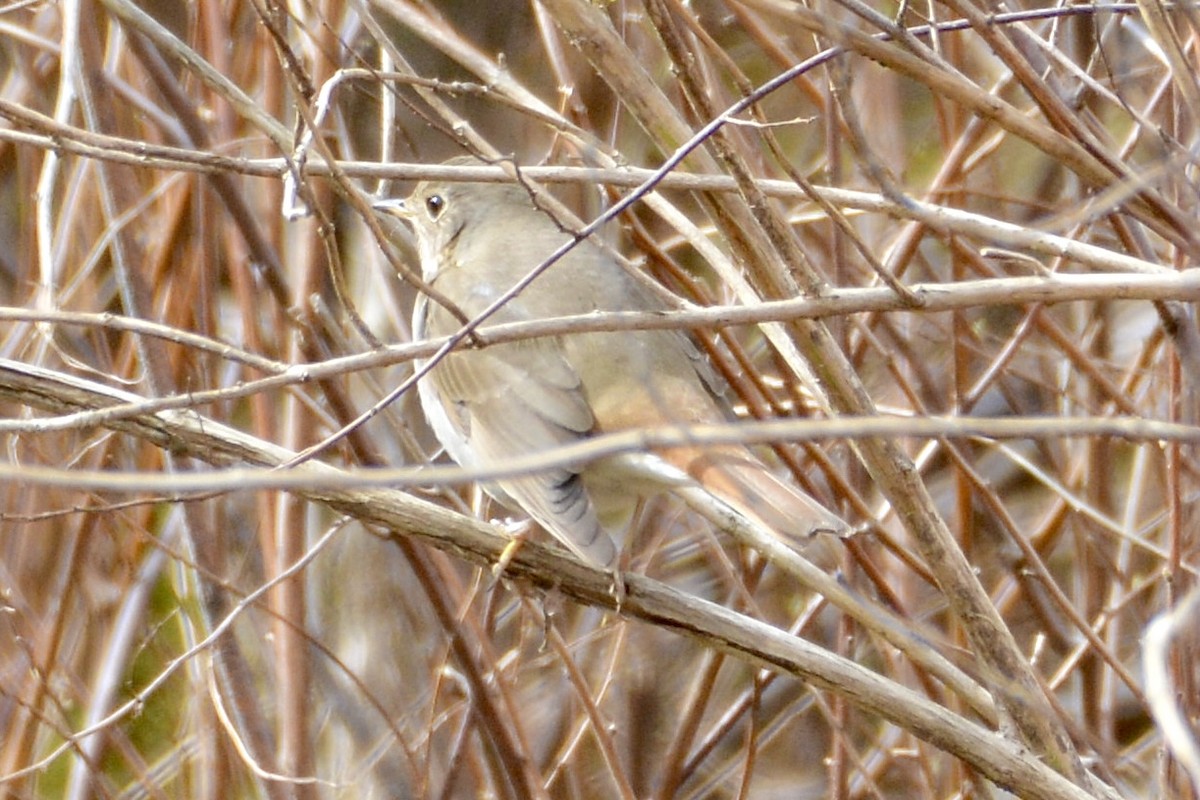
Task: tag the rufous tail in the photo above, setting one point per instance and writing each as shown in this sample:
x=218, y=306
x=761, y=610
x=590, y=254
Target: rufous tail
x=738, y=478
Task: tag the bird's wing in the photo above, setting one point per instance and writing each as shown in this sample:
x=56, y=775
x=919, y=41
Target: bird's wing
x=520, y=399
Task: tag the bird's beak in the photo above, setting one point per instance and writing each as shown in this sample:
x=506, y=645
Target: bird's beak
x=394, y=207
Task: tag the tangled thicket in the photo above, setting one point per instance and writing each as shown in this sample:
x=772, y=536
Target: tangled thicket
x=984, y=219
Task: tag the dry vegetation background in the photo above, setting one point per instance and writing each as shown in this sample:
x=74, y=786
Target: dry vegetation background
x=991, y=278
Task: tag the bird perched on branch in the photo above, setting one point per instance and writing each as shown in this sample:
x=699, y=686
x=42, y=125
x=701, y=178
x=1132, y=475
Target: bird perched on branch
x=488, y=405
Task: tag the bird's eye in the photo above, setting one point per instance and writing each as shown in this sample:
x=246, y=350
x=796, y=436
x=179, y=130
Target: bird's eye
x=435, y=204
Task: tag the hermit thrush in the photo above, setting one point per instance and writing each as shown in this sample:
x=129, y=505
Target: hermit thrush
x=489, y=405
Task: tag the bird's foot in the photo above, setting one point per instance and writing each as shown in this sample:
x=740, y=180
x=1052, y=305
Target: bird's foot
x=517, y=531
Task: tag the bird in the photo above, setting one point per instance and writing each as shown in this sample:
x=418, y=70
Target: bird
x=492, y=404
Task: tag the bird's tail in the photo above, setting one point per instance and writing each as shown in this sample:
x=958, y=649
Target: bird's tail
x=737, y=477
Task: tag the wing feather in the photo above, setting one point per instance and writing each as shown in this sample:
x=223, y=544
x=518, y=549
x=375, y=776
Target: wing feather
x=518, y=399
